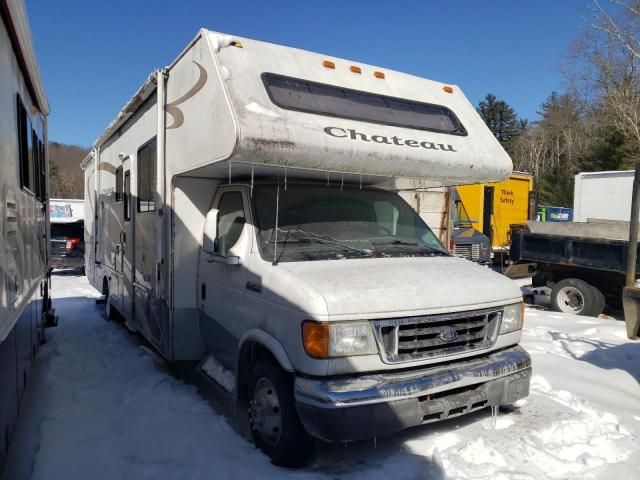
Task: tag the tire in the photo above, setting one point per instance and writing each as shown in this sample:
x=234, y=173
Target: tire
x=576, y=296
x=275, y=426
x=600, y=301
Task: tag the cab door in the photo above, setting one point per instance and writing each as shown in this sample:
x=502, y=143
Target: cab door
x=222, y=277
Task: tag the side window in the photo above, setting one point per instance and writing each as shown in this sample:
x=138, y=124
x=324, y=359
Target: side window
x=37, y=184
x=147, y=176
x=387, y=217
x=25, y=142
x=231, y=220
x=127, y=196
x=44, y=194
x=119, y=184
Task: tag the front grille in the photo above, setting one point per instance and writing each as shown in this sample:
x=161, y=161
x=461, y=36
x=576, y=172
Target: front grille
x=432, y=336
x=470, y=252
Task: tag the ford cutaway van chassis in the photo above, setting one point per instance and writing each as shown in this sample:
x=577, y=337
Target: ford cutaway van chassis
x=243, y=213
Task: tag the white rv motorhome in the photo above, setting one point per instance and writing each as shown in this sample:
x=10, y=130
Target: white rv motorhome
x=242, y=213
x=24, y=278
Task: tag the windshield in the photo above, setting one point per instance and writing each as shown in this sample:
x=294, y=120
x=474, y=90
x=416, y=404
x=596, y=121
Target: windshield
x=328, y=222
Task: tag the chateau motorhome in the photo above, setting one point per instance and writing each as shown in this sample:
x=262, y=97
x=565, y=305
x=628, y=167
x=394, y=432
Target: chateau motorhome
x=24, y=278
x=243, y=214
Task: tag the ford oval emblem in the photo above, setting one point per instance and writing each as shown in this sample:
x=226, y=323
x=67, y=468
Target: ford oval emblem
x=448, y=335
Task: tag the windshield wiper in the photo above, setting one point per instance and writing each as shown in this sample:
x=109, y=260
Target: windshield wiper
x=312, y=237
x=325, y=241
x=413, y=244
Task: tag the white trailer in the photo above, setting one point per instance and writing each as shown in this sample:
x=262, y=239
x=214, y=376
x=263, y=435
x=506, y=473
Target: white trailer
x=242, y=214
x=602, y=195
x=24, y=280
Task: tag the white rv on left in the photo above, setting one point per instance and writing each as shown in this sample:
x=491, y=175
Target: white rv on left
x=24, y=278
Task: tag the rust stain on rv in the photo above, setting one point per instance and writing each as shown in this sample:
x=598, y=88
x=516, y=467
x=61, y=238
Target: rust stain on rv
x=172, y=108
x=265, y=143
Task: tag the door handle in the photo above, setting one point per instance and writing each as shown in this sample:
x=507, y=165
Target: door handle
x=203, y=291
x=123, y=237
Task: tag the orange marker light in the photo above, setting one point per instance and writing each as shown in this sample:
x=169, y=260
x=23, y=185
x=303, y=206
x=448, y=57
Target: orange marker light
x=447, y=89
x=355, y=69
x=328, y=64
x=315, y=338
x=378, y=74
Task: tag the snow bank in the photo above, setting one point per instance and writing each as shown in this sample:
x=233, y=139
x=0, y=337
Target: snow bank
x=98, y=406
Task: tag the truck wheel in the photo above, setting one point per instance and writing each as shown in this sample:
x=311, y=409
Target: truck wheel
x=576, y=296
x=275, y=426
x=600, y=302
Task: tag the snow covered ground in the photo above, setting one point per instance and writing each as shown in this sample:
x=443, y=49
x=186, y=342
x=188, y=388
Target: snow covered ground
x=98, y=406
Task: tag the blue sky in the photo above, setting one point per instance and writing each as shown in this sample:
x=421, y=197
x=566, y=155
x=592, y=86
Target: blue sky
x=94, y=55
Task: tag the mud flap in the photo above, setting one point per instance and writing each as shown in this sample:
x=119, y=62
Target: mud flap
x=631, y=304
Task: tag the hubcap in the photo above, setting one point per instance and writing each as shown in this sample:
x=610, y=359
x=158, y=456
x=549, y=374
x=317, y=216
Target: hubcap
x=264, y=411
x=570, y=300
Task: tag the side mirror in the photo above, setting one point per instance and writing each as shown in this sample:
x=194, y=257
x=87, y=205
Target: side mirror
x=210, y=231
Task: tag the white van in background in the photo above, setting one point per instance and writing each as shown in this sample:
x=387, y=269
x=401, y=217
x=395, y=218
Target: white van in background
x=243, y=214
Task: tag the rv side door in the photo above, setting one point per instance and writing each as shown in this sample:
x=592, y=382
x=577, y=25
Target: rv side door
x=222, y=276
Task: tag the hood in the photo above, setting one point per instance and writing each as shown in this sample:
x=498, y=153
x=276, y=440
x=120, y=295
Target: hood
x=393, y=287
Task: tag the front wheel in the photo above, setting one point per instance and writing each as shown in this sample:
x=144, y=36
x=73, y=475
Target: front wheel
x=576, y=296
x=275, y=425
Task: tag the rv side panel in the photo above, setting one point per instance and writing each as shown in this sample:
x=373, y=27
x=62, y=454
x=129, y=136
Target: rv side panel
x=24, y=279
x=191, y=200
x=200, y=125
x=126, y=210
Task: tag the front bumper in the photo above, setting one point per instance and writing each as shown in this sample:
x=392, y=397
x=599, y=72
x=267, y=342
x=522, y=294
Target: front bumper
x=379, y=404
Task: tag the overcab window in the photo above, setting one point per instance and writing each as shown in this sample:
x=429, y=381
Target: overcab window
x=147, y=158
x=333, y=101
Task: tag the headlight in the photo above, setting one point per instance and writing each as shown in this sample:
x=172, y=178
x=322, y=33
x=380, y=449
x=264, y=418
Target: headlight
x=512, y=318
x=341, y=339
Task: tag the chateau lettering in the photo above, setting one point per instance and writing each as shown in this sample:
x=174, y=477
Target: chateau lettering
x=353, y=135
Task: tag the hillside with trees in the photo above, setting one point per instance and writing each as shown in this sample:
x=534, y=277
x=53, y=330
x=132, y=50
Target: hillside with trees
x=594, y=124
x=66, y=179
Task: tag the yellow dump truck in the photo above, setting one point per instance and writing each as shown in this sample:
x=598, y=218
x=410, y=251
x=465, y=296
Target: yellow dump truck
x=493, y=207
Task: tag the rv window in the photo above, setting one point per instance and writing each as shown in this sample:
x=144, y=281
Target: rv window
x=43, y=173
x=147, y=176
x=119, y=184
x=127, y=196
x=333, y=101
x=37, y=160
x=25, y=144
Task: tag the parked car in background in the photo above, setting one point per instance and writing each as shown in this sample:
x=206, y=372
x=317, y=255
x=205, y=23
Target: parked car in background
x=67, y=233
x=67, y=243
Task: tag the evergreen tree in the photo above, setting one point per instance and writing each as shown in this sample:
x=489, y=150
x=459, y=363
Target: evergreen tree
x=501, y=120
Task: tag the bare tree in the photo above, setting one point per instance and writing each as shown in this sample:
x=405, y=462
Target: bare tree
x=66, y=177
x=605, y=65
